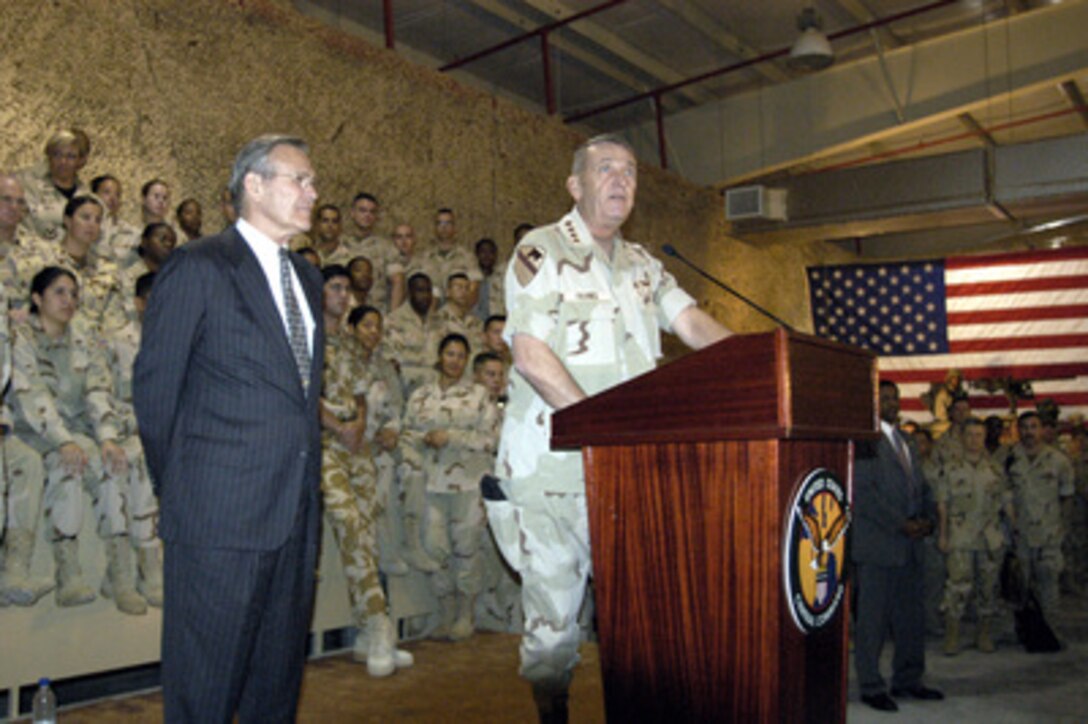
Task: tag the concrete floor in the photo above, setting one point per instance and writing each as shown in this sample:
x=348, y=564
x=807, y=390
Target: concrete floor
x=1007, y=687
x=476, y=681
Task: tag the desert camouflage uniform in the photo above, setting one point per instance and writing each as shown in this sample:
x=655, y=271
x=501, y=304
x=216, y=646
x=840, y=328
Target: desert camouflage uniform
x=13, y=292
x=949, y=447
x=22, y=472
x=439, y=264
x=45, y=218
x=61, y=393
x=119, y=242
x=974, y=494
x=492, y=298
x=413, y=343
x=934, y=570
x=1038, y=485
x=101, y=299
x=348, y=480
x=602, y=318
x=467, y=325
x=498, y=607
x=384, y=260
x=455, y=514
x=1077, y=531
x=384, y=409
x=141, y=506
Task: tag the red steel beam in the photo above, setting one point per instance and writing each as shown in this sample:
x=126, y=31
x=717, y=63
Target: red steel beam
x=387, y=17
x=542, y=30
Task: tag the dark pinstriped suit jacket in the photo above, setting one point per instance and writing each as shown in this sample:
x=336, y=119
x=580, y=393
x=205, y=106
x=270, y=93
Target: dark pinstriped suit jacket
x=232, y=442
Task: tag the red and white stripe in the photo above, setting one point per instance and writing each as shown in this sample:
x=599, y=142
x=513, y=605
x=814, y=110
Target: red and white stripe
x=1021, y=315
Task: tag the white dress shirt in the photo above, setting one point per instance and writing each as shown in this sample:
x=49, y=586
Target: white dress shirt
x=268, y=255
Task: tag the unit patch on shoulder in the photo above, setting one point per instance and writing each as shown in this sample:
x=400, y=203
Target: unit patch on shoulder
x=527, y=263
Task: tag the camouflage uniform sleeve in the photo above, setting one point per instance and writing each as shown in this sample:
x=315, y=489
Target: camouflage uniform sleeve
x=483, y=436
x=99, y=387
x=532, y=296
x=5, y=359
x=414, y=425
x=33, y=400
x=669, y=298
x=940, y=486
x=1066, y=487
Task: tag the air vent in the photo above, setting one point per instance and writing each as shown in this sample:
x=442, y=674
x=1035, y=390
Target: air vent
x=755, y=202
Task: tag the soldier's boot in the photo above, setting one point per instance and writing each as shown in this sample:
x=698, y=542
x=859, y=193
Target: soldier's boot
x=551, y=704
x=463, y=625
x=149, y=584
x=985, y=641
x=379, y=654
x=951, y=636
x=71, y=589
x=16, y=585
x=447, y=610
x=120, y=581
x=414, y=554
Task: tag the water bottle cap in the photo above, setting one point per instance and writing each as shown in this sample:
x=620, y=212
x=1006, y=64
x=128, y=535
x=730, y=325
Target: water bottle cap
x=44, y=681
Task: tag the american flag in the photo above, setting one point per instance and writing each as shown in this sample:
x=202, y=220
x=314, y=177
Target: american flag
x=1022, y=315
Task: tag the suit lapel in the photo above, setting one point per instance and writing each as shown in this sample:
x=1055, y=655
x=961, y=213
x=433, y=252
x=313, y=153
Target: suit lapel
x=256, y=295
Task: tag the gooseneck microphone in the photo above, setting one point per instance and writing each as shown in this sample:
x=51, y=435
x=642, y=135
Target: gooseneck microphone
x=670, y=250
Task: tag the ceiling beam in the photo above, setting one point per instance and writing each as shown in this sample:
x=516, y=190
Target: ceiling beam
x=1072, y=93
x=860, y=12
x=707, y=26
x=500, y=10
x=976, y=128
x=619, y=47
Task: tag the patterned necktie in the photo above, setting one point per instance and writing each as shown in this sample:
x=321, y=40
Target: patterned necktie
x=296, y=328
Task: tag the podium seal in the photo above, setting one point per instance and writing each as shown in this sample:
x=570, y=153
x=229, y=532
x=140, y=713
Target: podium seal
x=814, y=550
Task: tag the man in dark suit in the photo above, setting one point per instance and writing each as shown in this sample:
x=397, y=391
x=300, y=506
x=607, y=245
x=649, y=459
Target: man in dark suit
x=226, y=390
x=893, y=513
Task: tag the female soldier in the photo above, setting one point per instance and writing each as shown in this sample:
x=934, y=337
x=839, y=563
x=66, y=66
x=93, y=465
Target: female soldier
x=102, y=302
x=61, y=392
x=453, y=425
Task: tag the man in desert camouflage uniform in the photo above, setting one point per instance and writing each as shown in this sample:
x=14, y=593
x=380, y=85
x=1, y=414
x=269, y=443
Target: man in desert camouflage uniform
x=325, y=237
x=65, y=154
x=348, y=480
x=1077, y=528
x=455, y=316
x=444, y=256
x=119, y=237
x=971, y=492
x=949, y=446
x=412, y=335
x=389, y=289
x=1042, y=482
x=141, y=511
x=585, y=310
x=22, y=474
x=491, y=297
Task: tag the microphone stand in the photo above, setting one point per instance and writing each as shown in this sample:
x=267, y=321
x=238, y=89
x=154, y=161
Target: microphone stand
x=670, y=250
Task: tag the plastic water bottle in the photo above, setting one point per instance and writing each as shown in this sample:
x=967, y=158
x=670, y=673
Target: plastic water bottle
x=45, y=704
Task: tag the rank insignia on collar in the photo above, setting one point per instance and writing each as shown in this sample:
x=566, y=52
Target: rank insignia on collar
x=527, y=263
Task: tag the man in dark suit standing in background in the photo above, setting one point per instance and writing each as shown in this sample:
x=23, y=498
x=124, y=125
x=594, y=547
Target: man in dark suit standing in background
x=226, y=391
x=893, y=513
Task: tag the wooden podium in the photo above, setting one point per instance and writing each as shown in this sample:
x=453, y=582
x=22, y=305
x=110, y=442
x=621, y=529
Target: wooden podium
x=690, y=472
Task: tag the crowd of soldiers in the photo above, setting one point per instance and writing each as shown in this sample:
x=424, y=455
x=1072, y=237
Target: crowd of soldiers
x=999, y=489
x=412, y=401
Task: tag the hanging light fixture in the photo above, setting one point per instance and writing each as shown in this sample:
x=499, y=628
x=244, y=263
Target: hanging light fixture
x=812, y=50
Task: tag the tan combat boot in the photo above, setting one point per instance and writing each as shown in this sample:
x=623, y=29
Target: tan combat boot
x=71, y=589
x=447, y=610
x=951, y=636
x=463, y=625
x=16, y=585
x=120, y=583
x=413, y=552
x=149, y=584
x=985, y=640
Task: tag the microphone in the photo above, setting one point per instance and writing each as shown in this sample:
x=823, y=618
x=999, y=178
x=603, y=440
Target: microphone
x=670, y=250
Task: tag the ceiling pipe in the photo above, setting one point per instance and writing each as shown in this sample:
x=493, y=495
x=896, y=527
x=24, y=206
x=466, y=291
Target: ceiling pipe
x=657, y=92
